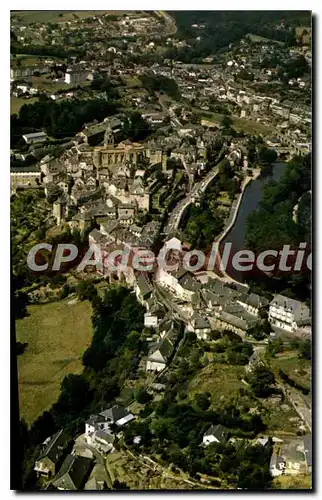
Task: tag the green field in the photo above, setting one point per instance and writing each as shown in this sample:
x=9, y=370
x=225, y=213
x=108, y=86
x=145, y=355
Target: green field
x=257, y=38
x=219, y=379
x=48, y=85
x=57, y=335
x=17, y=102
x=225, y=381
x=248, y=126
x=297, y=369
x=296, y=482
x=280, y=418
x=57, y=16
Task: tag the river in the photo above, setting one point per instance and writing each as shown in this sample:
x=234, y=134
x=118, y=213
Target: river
x=250, y=201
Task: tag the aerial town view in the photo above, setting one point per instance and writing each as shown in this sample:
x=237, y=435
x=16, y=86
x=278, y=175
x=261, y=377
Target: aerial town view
x=160, y=199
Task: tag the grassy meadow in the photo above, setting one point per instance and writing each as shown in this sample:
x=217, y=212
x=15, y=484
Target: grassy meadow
x=57, y=334
x=58, y=16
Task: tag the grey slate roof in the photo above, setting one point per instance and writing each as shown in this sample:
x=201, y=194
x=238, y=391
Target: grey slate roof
x=55, y=447
x=233, y=320
x=165, y=347
x=253, y=300
x=201, y=323
x=219, y=431
x=220, y=288
x=105, y=435
x=189, y=283
x=73, y=472
x=115, y=413
x=95, y=419
x=144, y=285
x=214, y=298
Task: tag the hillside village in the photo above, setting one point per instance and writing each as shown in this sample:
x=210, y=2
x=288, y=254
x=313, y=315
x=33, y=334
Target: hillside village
x=177, y=142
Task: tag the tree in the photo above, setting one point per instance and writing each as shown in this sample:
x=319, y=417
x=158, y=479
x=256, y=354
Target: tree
x=261, y=381
x=120, y=485
x=274, y=346
x=202, y=400
x=266, y=155
x=85, y=290
x=19, y=306
x=226, y=122
x=305, y=350
x=21, y=347
x=195, y=118
x=257, y=332
x=54, y=191
x=142, y=396
x=215, y=334
x=65, y=291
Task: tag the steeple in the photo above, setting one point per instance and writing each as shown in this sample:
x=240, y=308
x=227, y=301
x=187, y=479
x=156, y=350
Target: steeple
x=109, y=136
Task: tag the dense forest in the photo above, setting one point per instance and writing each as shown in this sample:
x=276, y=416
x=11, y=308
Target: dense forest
x=63, y=119
x=43, y=50
x=274, y=224
x=161, y=83
x=224, y=27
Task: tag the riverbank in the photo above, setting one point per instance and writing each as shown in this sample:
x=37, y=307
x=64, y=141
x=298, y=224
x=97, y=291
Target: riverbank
x=248, y=201
x=233, y=216
x=236, y=204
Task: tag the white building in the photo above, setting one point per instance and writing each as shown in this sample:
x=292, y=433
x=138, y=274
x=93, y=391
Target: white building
x=73, y=77
x=181, y=282
x=159, y=355
x=98, y=431
x=215, y=434
x=252, y=302
x=35, y=137
x=200, y=326
x=288, y=314
x=151, y=320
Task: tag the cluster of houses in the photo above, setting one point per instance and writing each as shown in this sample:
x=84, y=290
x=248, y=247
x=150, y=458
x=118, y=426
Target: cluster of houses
x=291, y=455
x=203, y=307
x=69, y=467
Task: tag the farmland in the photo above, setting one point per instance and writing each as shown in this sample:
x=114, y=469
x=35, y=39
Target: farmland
x=224, y=382
x=297, y=369
x=57, y=16
x=219, y=380
x=248, y=126
x=57, y=334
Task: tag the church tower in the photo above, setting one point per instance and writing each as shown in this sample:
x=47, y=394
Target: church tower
x=109, y=137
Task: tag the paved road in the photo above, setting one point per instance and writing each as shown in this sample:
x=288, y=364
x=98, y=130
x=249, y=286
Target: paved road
x=178, y=211
x=170, y=304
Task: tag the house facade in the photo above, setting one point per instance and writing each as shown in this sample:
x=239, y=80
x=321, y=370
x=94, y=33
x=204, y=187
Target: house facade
x=288, y=314
x=52, y=454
